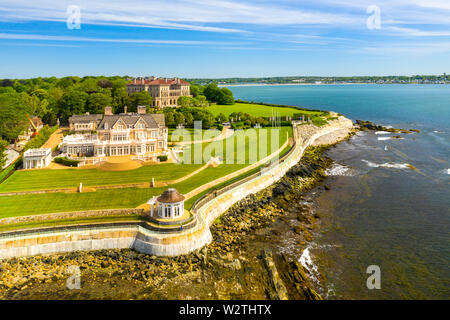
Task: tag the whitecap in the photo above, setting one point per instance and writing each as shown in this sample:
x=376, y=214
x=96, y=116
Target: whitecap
x=339, y=170
x=446, y=171
x=385, y=148
x=437, y=131
x=384, y=138
x=382, y=132
x=307, y=263
x=388, y=165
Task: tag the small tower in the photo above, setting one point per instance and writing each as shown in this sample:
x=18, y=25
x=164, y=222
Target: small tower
x=169, y=205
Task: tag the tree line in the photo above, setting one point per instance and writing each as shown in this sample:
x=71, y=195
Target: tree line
x=59, y=98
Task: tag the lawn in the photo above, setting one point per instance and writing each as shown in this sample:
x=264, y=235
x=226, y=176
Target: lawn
x=258, y=110
x=71, y=178
x=191, y=133
x=31, y=204
x=104, y=199
x=233, y=152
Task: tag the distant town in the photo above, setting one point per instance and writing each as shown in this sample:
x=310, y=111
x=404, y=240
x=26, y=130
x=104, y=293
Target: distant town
x=417, y=79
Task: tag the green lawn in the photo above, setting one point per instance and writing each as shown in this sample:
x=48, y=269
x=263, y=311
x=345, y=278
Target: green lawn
x=31, y=204
x=213, y=134
x=70, y=178
x=104, y=199
x=257, y=110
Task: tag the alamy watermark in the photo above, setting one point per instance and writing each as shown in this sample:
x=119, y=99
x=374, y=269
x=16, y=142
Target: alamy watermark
x=74, y=17
x=374, y=280
x=374, y=20
x=243, y=147
x=74, y=280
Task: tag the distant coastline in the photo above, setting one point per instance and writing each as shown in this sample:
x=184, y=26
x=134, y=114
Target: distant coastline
x=313, y=84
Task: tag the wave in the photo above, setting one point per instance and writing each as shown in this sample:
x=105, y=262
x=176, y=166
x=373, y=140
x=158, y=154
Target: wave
x=382, y=132
x=307, y=263
x=339, y=170
x=388, y=165
x=384, y=138
x=446, y=171
x=438, y=131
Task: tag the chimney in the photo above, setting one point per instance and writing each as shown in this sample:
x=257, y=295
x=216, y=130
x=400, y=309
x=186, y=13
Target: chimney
x=125, y=109
x=142, y=110
x=108, y=111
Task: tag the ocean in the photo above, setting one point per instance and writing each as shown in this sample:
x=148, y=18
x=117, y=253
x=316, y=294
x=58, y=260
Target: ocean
x=388, y=203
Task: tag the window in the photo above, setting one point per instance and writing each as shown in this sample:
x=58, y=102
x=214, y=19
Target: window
x=167, y=212
x=160, y=144
x=106, y=125
x=160, y=211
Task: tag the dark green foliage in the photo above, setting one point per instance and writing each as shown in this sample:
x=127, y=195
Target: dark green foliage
x=41, y=138
x=66, y=162
x=162, y=158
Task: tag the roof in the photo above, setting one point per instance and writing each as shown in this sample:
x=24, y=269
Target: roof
x=84, y=118
x=171, y=195
x=152, y=120
x=37, y=152
x=160, y=81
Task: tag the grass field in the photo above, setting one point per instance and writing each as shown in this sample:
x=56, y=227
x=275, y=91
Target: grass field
x=105, y=199
x=191, y=132
x=257, y=110
x=71, y=178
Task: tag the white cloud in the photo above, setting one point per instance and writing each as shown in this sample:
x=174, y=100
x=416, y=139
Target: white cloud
x=16, y=36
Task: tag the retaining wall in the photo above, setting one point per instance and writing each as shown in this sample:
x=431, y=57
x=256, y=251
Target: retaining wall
x=167, y=244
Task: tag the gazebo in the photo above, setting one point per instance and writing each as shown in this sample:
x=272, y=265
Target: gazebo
x=169, y=205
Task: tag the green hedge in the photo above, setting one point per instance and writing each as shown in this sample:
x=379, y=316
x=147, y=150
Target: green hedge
x=66, y=162
x=162, y=158
x=9, y=170
x=41, y=138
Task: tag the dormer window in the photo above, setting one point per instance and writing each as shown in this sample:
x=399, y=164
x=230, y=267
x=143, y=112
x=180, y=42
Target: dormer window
x=106, y=125
x=120, y=127
x=141, y=126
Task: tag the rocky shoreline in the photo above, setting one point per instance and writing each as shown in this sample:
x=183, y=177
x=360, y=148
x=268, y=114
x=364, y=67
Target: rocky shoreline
x=254, y=254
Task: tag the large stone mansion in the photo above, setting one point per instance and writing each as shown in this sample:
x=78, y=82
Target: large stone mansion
x=116, y=134
x=164, y=91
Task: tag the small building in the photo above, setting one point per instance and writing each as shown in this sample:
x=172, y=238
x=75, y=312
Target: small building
x=169, y=205
x=37, y=158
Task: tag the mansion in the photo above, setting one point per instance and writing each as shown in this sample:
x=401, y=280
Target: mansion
x=164, y=91
x=116, y=134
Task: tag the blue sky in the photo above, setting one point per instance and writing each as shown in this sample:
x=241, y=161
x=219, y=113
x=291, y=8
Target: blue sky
x=232, y=38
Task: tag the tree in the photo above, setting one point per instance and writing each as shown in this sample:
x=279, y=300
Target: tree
x=142, y=98
x=212, y=92
x=72, y=102
x=13, y=119
x=225, y=97
x=179, y=118
x=201, y=101
x=221, y=118
x=170, y=119
x=221, y=96
x=97, y=102
x=197, y=90
x=3, y=145
x=186, y=102
x=120, y=98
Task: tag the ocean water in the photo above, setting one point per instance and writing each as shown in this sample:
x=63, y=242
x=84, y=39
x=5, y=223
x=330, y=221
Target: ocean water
x=389, y=199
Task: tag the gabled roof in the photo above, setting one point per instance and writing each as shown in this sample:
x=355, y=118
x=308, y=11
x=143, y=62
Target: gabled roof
x=85, y=118
x=152, y=120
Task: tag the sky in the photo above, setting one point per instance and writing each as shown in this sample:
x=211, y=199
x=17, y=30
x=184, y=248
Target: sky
x=229, y=38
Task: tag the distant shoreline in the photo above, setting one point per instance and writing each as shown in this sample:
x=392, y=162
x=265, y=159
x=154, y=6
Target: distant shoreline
x=315, y=84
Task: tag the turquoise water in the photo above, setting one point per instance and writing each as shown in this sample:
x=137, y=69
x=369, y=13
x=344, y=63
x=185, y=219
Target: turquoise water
x=389, y=198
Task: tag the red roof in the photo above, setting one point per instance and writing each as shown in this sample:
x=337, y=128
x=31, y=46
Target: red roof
x=160, y=81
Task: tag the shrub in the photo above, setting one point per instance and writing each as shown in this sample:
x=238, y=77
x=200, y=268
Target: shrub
x=66, y=162
x=162, y=158
x=41, y=138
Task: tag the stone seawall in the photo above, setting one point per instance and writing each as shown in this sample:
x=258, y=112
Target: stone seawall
x=71, y=215
x=176, y=243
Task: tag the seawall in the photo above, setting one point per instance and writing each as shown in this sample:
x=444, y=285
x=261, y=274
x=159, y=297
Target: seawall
x=179, y=242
